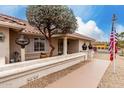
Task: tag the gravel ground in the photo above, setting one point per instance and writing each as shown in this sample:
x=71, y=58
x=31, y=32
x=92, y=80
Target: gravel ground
x=110, y=79
x=44, y=81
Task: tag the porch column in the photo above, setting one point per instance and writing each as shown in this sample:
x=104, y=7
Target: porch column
x=65, y=46
x=22, y=54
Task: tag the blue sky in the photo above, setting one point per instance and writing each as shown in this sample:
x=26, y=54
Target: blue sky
x=94, y=21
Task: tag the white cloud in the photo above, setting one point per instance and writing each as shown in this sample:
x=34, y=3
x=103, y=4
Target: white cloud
x=84, y=11
x=120, y=28
x=90, y=29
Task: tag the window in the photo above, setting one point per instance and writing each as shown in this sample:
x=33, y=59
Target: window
x=39, y=44
x=2, y=36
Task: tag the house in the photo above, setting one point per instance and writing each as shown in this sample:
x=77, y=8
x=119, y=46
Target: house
x=9, y=31
x=101, y=45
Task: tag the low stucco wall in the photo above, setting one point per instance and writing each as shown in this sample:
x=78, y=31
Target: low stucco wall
x=2, y=61
x=19, y=74
x=4, y=45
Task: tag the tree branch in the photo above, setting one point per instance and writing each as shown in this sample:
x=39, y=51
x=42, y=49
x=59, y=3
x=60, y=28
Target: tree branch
x=53, y=28
x=43, y=32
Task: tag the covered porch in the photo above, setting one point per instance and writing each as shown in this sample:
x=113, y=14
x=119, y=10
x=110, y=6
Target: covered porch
x=64, y=44
x=72, y=43
x=67, y=45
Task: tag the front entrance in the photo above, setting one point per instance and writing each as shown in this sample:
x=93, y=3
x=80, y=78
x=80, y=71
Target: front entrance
x=72, y=46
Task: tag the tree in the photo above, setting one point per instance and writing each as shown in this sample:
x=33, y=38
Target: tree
x=121, y=40
x=51, y=19
x=121, y=35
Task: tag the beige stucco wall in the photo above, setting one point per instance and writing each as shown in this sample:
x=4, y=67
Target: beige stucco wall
x=73, y=46
x=81, y=42
x=29, y=49
x=31, y=54
x=13, y=46
x=4, y=46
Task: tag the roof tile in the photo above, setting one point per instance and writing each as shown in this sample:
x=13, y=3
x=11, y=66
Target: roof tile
x=28, y=28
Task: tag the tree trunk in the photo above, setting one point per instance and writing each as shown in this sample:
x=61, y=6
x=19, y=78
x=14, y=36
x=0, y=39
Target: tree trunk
x=52, y=47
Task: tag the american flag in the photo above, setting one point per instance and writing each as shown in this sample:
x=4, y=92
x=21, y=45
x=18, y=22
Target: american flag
x=113, y=40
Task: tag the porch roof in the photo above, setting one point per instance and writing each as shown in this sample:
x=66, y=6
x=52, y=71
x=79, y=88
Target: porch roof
x=15, y=23
x=76, y=36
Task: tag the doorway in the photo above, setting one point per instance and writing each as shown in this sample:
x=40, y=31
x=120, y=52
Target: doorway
x=60, y=46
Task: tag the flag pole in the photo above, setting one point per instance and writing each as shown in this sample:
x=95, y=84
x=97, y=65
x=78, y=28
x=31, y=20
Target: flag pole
x=114, y=65
x=113, y=43
x=114, y=46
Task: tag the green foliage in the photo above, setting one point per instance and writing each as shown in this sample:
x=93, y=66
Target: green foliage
x=52, y=18
x=121, y=40
x=121, y=44
x=121, y=35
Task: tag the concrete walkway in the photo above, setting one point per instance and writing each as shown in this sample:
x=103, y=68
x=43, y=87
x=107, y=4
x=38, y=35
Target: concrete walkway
x=87, y=76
